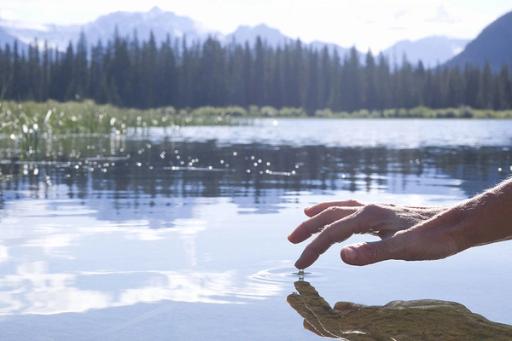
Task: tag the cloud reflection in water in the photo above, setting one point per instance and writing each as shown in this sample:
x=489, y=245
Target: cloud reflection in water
x=31, y=286
x=32, y=290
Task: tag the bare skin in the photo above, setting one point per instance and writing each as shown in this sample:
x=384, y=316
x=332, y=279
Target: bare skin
x=407, y=233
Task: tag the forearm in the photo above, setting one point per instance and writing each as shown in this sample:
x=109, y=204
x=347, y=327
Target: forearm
x=485, y=218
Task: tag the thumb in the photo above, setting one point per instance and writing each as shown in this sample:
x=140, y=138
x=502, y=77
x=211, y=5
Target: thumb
x=373, y=252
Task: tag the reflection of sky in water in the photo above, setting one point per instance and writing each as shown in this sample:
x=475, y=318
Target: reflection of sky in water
x=72, y=262
x=68, y=282
x=353, y=133
x=155, y=248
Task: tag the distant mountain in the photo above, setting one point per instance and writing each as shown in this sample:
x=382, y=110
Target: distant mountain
x=6, y=38
x=493, y=45
x=432, y=51
x=342, y=51
x=159, y=22
x=156, y=20
x=272, y=36
x=56, y=36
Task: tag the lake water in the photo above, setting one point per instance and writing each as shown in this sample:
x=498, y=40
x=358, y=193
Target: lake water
x=171, y=234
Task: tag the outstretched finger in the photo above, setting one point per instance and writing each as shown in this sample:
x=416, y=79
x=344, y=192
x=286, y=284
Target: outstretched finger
x=336, y=232
x=315, y=209
x=317, y=223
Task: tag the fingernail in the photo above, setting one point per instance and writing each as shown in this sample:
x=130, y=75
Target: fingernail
x=349, y=254
x=292, y=239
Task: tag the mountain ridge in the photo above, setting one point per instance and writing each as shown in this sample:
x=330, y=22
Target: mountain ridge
x=493, y=45
x=431, y=50
x=163, y=23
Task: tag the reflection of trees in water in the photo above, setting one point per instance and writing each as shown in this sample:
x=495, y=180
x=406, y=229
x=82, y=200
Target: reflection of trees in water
x=252, y=175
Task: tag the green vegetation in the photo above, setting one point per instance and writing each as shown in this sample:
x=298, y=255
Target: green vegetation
x=420, y=112
x=132, y=73
x=45, y=131
x=30, y=120
x=31, y=130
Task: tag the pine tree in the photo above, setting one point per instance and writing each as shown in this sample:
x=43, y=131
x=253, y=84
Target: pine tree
x=128, y=72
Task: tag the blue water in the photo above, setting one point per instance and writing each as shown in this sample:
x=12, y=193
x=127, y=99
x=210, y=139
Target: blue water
x=169, y=234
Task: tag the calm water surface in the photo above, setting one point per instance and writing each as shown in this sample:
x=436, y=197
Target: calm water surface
x=181, y=233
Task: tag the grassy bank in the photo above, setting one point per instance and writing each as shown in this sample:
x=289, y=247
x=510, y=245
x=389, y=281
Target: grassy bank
x=421, y=112
x=22, y=120
x=30, y=130
x=90, y=118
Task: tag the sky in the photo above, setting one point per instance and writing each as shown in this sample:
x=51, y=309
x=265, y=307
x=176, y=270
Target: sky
x=367, y=24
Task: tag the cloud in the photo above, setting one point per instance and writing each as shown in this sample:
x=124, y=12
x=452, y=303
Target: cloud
x=400, y=14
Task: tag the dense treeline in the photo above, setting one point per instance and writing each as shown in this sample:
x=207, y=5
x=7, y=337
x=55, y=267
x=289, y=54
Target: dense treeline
x=142, y=74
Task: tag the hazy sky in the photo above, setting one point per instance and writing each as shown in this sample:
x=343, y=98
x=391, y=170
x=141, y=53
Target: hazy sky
x=366, y=23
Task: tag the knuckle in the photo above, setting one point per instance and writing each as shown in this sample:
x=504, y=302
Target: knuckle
x=314, y=249
x=373, y=209
x=333, y=211
x=330, y=232
x=372, y=252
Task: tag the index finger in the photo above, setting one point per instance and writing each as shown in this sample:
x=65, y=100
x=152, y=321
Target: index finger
x=315, y=209
x=336, y=232
x=317, y=223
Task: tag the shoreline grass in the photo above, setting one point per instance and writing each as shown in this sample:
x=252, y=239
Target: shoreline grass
x=29, y=129
x=420, y=113
x=37, y=119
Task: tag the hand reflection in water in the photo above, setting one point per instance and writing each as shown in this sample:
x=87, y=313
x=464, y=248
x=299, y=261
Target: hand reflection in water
x=397, y=320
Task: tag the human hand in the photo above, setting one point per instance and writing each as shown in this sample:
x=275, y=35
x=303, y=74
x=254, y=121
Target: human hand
x=409, y=233
x=337, y=221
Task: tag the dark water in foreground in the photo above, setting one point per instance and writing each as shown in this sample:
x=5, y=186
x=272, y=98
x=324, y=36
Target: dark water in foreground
x=181, y=234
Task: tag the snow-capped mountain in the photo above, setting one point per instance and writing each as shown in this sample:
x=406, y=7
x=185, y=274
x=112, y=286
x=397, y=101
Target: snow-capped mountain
x=160, y=22
x=271, y=35
x=431, y=50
